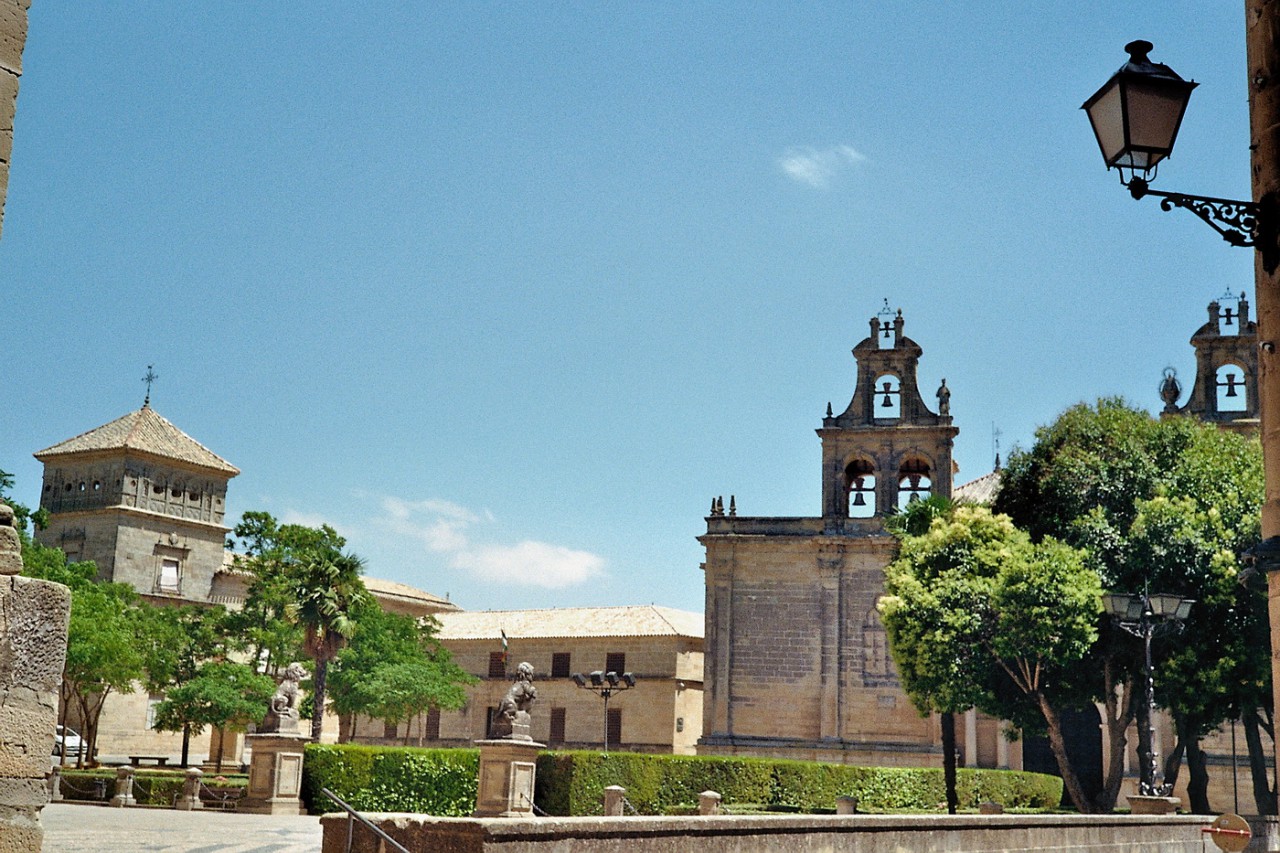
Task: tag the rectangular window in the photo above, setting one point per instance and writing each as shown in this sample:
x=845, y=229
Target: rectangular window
x=615, y=662
x=613, y=726
x=390, y=731
x=489, y=714
x=560, y=665
x=433, y=724
x=497, y=665
x=557, y=726
x=152, y=701
x=169, y=578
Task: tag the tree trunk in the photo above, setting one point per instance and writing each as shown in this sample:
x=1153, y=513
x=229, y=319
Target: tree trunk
x=1197, y=778
x=217, y=762
x=1119, y=705
x=949, y=760
x=1069, y=778
x=186, y=742
x=317, y=697
x=1264, y=799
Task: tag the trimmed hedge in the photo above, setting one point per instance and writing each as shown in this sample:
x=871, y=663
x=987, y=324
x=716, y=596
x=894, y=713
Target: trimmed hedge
x=443, y=782
x=391, y=779
x=574, y=783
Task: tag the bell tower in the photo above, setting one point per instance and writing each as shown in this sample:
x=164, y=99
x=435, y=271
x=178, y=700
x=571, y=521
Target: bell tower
x=1225, y=391
x=887, y=447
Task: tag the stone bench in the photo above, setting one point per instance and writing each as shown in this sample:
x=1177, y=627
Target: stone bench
x=158, y=760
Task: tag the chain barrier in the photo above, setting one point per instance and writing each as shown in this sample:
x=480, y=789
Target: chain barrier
x=99, y=791
x=226, y=799
x=626, y=804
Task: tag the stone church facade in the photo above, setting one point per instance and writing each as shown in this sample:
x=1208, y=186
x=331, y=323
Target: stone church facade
x=797, y=660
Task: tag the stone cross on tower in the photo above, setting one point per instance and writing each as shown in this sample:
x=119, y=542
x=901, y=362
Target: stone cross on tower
x=151, y=376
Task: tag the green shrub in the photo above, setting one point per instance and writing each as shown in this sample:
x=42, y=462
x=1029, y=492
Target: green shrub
x=391, y=779
x=151, y=787
x=443, y=782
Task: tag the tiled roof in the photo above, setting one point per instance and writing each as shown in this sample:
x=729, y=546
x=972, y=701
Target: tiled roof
x=392, y=589
x=645, y=620
x=980, y=491
x=147, y=432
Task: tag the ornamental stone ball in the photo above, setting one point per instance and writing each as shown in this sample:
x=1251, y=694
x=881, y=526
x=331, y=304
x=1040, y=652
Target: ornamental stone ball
x=512, y=718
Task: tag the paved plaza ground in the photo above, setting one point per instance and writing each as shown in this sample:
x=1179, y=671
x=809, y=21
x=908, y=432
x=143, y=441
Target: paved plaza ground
x=82, y=828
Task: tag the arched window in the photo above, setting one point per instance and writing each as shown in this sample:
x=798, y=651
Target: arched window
x=914, y=482
x=1232, y=394
x=888, y=397
x=860, y=483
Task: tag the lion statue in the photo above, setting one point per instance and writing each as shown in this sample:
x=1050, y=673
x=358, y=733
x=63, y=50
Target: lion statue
x=511, y=720
x=282, y=713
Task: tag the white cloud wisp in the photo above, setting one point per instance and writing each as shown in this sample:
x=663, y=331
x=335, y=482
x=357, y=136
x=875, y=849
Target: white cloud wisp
x=818, y=167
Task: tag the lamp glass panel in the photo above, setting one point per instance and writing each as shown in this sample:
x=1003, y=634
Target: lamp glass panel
x=1165, y=605
x=1116, y=603
x=1135, y=609
x=1107, y=118
x=1184, y=609
x=1154, y=113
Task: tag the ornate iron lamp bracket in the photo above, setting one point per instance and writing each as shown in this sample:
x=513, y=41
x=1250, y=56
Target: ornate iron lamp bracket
x=1236, y=221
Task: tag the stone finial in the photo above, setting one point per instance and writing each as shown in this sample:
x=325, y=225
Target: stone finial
x=10, y=544
x=709, y=803
x=829, y=409
x=733, y=506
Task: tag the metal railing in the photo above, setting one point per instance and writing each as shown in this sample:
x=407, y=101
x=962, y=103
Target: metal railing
x=353, y=814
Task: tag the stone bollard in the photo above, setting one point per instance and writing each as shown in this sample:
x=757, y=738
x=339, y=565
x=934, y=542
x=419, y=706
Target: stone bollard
x=846, y=805
x=708, y=803
x=990, y=807
x=190, y=797
x=55, y=784
x=614, y=796
x=124, y=788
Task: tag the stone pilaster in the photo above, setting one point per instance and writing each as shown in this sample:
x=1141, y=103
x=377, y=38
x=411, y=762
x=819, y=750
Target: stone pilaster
x=275, y=774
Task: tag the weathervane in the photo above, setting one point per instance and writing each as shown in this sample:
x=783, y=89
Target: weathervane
x=151, y=376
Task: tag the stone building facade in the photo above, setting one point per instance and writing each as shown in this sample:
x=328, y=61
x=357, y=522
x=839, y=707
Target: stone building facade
x=144, y=501
x=797, y=660
x=662, y=647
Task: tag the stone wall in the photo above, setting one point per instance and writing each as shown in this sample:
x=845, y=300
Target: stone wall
x=766, y=834
x=13, y=35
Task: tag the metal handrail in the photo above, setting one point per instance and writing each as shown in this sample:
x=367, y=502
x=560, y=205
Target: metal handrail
x=352, y=813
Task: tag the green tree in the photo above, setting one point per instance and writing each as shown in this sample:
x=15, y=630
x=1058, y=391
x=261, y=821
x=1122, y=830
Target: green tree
x=393, y=669
x=222, y=693
x=177, y=644
x=327, y=592
x=103, y=655
x=978, y=616
x=1166, y=506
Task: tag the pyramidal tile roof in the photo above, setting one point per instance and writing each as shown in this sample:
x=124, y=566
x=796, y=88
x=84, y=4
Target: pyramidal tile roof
x=645, y=620
x=147, y=432
x=980, y=491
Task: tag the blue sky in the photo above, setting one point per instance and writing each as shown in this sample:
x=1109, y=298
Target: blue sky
x=508, y=292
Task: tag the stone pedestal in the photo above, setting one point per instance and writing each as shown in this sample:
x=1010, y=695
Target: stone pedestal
x=275, y=774
x=1139, y=804
x=124, y=788
x=507, y=772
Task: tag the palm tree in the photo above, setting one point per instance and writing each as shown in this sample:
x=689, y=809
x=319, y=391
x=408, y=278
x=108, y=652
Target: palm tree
x=327, y=591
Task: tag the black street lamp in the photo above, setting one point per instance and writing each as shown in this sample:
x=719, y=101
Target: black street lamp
x=1144, y=616
x=604, y=685
x=1135, y=117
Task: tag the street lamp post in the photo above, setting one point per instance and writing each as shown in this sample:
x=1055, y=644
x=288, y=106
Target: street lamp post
x=1257, y=224
x=1144, y=616
x=604, y=685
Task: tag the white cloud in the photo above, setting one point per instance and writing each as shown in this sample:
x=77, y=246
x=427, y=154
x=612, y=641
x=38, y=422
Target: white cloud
x=292, y=516
x=531, y=564
x=817, y=167
x=442, y=527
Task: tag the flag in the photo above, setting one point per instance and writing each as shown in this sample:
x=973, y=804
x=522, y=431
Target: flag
x=504, y=646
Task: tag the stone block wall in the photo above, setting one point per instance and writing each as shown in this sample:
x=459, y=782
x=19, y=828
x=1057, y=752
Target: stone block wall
x=33, y=648
x=13, y=35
